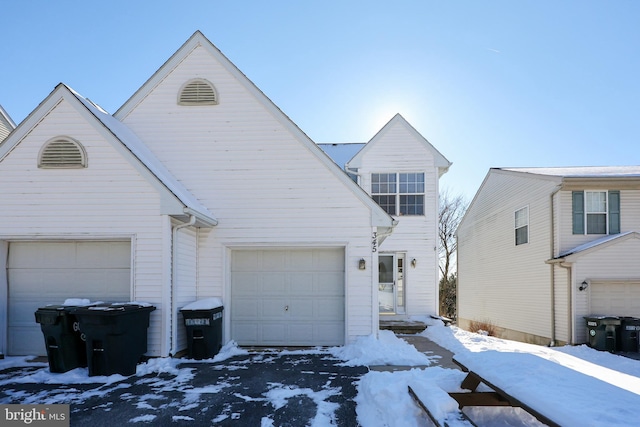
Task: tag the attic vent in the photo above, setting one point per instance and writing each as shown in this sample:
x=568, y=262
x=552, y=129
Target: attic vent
x=198, y=92
x=62, y=153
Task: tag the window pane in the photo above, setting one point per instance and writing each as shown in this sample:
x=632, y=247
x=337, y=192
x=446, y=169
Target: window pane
x=412, y=205
x=388, y=203
x=596, y=224
x=411, y=183
x=522, y=235
x=383, y=183
x=521, y=217
x=596, y=201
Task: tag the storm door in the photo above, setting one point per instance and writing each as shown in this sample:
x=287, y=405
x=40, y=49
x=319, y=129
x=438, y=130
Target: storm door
x=391, y=283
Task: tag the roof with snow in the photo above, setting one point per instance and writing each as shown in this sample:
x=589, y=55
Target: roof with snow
x=581, y=171
x=598, y=242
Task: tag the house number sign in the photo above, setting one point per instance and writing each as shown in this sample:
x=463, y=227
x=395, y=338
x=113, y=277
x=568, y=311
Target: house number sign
x=374, y=242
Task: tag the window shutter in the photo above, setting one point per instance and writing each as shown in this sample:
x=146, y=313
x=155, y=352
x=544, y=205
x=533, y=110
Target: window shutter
x=578, y=212
x=614, y=212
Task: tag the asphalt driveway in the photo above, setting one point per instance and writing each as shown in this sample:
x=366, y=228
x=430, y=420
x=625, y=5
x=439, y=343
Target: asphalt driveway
x=255, y=389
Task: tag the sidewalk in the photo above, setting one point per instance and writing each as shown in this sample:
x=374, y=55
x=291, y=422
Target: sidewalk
x=426, y=346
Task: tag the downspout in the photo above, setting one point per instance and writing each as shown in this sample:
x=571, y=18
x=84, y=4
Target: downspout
x=174, y=276
x=569, y=300
x=553, y=279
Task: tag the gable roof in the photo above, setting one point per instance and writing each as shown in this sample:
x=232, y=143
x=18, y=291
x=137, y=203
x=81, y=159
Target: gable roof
x=6, y=124
x=379, y=217
x=597, y=244
x=440, y=161
x=581, y=171
x=127, y=144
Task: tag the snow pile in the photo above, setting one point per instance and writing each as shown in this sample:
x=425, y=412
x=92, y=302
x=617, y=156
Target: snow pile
x=387, y=349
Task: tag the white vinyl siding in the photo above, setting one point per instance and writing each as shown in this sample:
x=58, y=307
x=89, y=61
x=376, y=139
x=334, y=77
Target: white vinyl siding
x=264, y=185
x=185, y=279
x=495, y=283
x=86, y=203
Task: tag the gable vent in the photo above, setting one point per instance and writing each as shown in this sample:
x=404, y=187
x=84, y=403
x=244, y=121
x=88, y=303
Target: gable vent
x=198, y=92
x=62, y=153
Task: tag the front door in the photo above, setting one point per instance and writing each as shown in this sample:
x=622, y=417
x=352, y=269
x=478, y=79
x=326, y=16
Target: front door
x=391, y=283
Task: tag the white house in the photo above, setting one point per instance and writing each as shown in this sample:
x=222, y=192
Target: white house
x=540, y=248
x=400, y=169
x=198, y=186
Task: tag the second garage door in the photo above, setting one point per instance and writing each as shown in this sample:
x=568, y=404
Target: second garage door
x=288, y=297
x=42, y=273
x=617, y=298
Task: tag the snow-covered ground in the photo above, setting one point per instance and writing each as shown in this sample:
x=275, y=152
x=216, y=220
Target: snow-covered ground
x=586, y=387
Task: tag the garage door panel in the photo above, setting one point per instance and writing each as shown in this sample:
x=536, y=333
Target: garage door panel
x=41, y=273
x=615, y=298
x=310, y=282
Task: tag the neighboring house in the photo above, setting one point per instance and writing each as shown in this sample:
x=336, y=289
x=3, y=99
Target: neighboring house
x=400, y=169
x=6, y=124
x=198, y=186
x=540, y=248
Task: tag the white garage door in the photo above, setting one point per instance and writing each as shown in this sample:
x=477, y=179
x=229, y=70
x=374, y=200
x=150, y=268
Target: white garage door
x=291, y=297
x=615, y=298
x=42, y=273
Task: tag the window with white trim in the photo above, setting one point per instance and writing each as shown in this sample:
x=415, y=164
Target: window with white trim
x=522, y=226
x=399, y=193
x=62, y=152
x=198, y=92
x=596, y=212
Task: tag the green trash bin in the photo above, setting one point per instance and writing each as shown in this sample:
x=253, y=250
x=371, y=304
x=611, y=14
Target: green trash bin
x=116, y=336
x=629, y=331
x=62, y=338
x=204, y=332
x=603, y=332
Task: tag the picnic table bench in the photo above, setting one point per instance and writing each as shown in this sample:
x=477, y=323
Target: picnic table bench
x=532, y=383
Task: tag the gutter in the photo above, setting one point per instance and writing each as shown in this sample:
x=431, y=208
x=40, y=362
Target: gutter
x=173, y=316
x=552, y=275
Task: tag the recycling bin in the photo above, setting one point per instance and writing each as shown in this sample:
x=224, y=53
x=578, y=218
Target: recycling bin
x=629, y=331
x=62, y=338
x=204, y=332
x=116, y=336
x=603, y=332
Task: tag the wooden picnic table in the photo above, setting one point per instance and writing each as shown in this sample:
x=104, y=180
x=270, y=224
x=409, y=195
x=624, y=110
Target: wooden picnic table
x=534, y=383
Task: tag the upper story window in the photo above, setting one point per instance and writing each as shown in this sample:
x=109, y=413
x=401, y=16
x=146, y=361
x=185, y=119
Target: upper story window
x=62, y=152
x=198, y=92
x=399, y=193
x=596, y=212
x=522, y=226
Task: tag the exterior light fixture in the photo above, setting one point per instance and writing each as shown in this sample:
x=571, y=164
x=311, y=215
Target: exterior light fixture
x=584, y=285
x=362, y=264
x=414, y=262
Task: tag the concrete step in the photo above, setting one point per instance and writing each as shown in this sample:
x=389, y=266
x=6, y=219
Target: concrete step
x=403, y=326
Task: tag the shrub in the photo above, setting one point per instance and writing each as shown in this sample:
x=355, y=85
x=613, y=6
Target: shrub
x=484, y=327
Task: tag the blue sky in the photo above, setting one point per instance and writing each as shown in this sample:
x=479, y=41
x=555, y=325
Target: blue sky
x=488, y=83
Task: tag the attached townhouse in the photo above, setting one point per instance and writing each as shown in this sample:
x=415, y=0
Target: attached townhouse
x=198, y=187
x=541, y=248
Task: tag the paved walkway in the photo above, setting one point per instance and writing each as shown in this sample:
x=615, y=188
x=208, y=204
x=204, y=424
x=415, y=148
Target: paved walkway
x=426, y=346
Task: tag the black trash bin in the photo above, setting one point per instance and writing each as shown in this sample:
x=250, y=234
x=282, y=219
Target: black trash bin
x=603, y=332
x=629, y=330
x=204, y=331
x=116, y=336
x=62, y=338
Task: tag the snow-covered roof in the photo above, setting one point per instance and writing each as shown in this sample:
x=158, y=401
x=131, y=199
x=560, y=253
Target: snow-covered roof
x=581, y=171
x=142, y=153
x=595, y=243
x=341, y=153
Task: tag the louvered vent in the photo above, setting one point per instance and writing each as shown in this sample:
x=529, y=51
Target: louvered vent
x=62, y=153
x=198, y=92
